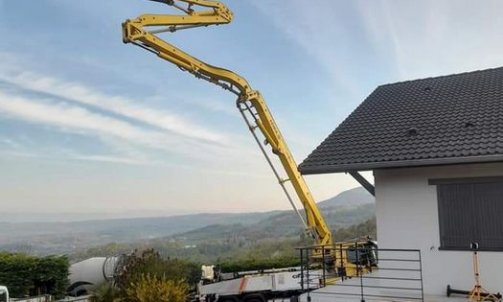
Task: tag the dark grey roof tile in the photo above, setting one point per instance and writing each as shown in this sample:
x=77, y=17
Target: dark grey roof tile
x=448, y=119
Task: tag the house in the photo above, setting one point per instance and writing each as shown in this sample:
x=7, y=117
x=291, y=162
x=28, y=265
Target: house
x=435, y=147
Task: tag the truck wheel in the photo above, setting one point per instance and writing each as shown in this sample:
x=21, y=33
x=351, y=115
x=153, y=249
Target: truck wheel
x=229, y=299
x=255, y=298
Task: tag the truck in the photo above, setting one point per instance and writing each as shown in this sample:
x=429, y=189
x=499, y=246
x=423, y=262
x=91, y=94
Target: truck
x=88, y=274
x=144, y=31
x=4, y=294
x=253, y=286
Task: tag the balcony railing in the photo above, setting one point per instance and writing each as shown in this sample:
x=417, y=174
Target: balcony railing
x=386, y=274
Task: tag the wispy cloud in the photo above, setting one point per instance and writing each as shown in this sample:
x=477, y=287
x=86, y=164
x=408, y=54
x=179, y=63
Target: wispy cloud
x=428, y=38
x=128, y=140
x=318, y=32
x=77, y=119
x=213, y=105
x=113, y=103
x=22, y=154
x=112, y=159
x=133, y=132
x=10, y=143
x=396, y=40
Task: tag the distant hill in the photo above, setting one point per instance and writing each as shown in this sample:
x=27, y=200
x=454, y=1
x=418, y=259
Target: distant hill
x=282, y=225
x=65, y=237
x=353, y=197
x=348, y=208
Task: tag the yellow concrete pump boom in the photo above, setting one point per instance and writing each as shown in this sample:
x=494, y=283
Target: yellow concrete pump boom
x=142, y=32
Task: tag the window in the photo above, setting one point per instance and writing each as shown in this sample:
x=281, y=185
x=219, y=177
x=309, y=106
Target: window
x=470, y=210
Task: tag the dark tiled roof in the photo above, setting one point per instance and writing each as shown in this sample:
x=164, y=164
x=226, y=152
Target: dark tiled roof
x=443, y=120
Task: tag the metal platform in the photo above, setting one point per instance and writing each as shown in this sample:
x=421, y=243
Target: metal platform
x=374, y=290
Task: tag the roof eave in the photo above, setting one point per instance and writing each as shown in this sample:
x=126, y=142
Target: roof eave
x=324, y=169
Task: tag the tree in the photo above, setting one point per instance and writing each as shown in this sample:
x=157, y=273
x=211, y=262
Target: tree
x=367, y=228
x=26, y=275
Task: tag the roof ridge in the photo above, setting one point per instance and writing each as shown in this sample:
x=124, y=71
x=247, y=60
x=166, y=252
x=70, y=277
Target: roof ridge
x=442, y=76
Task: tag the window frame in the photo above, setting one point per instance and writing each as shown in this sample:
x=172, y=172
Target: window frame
x=459, y=181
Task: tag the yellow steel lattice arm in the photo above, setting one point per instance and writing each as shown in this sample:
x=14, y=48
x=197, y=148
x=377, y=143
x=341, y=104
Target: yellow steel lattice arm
x=142, y=32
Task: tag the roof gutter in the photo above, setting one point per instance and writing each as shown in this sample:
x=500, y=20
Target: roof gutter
x=337, y=168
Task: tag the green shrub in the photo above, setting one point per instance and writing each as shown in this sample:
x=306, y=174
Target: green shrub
x=150, y=262
x=150, y=288
x=29, y=275
x=149, y=277
x=106, y=293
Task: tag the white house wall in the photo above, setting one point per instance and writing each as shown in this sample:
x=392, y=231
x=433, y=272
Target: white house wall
x=407, y=217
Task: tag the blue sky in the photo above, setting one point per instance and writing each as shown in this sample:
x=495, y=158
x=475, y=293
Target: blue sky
x=88, y=124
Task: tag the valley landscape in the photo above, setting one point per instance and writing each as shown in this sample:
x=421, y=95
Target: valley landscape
x=198, y=237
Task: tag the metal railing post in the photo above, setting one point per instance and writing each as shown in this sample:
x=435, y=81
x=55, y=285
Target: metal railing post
x=323, y=265
x=343, y=265
x=301, y=250
x=421, y=274
x=359, y=272
x=307, y=276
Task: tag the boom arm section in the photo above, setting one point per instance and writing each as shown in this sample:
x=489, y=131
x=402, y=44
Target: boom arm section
x=250, y=102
